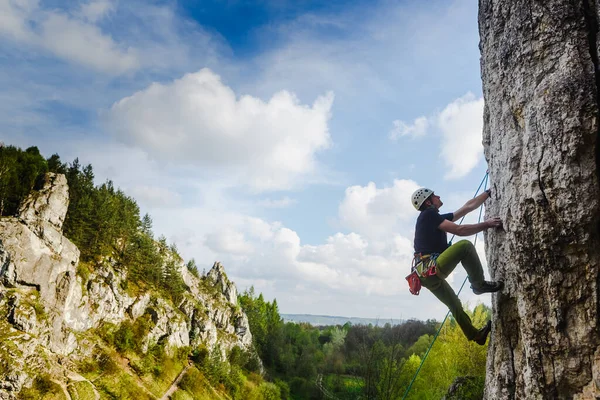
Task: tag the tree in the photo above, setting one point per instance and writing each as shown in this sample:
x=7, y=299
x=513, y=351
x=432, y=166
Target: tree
x=147, y=225
x=539, y=63
x=20, y=171
x=55, y=165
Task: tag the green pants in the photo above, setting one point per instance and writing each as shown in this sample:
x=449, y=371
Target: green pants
x=463, y=252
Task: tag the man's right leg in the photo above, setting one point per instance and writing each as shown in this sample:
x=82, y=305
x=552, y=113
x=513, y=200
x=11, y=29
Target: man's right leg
x=443, y=291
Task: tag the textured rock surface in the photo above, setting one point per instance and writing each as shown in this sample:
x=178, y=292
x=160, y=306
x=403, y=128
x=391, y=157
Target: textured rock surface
x=44, y=212
x=539, y=70
x=217, y=276
x=47, y=303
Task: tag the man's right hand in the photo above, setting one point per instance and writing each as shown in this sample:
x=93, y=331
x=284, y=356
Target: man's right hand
x=493, y=222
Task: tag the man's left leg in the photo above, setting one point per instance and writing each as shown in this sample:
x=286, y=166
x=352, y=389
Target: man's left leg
x=462, y=251
x=465, y=253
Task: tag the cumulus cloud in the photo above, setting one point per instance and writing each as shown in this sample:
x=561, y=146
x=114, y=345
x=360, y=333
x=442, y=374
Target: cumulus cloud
x=85, y=44
x=199, y=120
x=416, y=129
x=377, y=212
x=344, y=263
x=73, y=37
x=228, y=241
x=461, y=123
x=461, y=126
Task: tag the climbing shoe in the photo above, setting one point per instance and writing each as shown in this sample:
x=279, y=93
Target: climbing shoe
x=483, y=333
x=488, y=287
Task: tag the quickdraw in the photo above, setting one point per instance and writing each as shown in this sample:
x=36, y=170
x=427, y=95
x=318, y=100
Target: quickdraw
x=423, y=265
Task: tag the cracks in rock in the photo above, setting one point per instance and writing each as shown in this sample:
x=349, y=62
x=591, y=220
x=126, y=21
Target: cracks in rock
x=543, y=201
x=28, y=284
x=513, y=387
x=591, y=20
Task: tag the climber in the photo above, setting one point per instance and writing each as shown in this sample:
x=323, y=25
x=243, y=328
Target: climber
x=435, y=259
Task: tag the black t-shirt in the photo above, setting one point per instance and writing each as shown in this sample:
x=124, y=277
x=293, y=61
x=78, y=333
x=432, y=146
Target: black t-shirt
x=428, y=237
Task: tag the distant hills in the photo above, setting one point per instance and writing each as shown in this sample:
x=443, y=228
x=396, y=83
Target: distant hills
x=325, y=320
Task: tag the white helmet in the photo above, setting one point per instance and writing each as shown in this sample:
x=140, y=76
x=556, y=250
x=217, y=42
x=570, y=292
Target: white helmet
x=419, y=197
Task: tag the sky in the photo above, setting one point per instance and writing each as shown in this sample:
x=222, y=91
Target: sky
x=281, y=138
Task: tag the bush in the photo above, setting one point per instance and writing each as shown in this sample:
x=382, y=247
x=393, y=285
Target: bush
x=284, y=389
x=106, y=363
x=200, y=355
x=193, y=381
x=124, y=338
x=269, y=391
x=42, y=385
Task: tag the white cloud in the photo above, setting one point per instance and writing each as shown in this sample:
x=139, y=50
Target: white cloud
x=377, y=213
x=228, y=241
x=416, y=129
x=277, y=203
x=155, y=196
x=199, y=120
x=461, y=123
x=13, y=17
x=67, y=36
x=85, y=44
x=96, y=10
x=461, y=126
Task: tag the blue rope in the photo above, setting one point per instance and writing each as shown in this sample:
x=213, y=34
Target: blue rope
x=483, y=181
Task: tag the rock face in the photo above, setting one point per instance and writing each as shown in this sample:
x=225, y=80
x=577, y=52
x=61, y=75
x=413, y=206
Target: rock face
x=47, y=303
x=539, y=62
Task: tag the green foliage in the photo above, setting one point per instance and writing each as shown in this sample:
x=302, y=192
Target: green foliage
x=192, y=381
x=367, y=362
x=43, y=388
x=101, y=220
x=193, y=268
x=123, y=387
x=451, y=356
x=19, y=172
x=81, y=390
x=124, y=338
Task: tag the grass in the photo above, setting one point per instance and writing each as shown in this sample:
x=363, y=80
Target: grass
x=81, y=390
x=43, y=388
x=121, y=386
x=194, y=385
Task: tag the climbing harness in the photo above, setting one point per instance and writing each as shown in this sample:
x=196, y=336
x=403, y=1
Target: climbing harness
x=484, y=184
x=423, y=265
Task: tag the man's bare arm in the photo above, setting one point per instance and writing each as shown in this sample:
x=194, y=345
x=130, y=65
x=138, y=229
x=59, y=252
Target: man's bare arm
x=471, y=205
x=469, y=229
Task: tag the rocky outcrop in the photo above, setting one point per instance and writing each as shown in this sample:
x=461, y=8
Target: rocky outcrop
x=47, y=303
x=218, y=278
x=35, y=257
x=539, y=62
x=45, y=210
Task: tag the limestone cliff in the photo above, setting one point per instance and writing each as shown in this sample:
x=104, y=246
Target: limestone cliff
x=46, y=306
x=539, y=62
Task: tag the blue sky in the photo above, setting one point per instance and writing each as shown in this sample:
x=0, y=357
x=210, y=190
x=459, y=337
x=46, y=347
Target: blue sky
x=282, y=138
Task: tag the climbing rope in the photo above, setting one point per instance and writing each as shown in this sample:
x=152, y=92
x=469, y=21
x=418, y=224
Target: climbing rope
x=483, y=183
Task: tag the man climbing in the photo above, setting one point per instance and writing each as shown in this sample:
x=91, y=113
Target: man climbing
x=435, y=259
